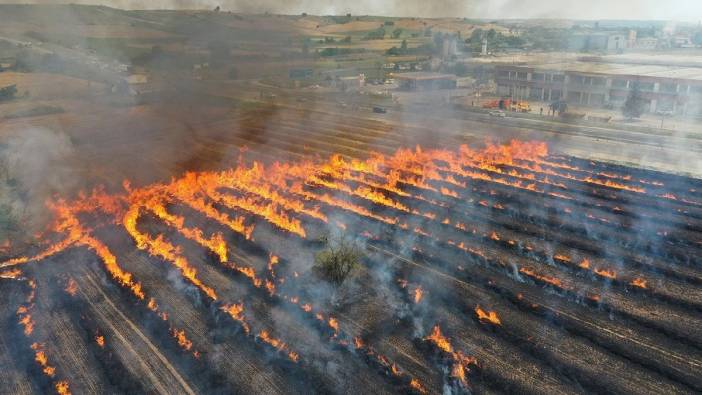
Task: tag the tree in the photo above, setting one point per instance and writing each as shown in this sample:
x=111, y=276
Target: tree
x=476, y=35
x=8, y=93
x=634, y=104
x=338, y=260
x=377, y=34
x=403, y=46
x=396, y=33
x=559, y=106
x=697, y=38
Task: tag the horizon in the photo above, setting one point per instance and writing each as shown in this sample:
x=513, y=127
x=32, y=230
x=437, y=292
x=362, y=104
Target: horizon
x=687, y=11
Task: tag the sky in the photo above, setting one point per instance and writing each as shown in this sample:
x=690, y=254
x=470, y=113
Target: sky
x=687, y=10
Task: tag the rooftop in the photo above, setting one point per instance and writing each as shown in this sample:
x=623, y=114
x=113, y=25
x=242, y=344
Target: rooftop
x=424, y=75
x=644, y=70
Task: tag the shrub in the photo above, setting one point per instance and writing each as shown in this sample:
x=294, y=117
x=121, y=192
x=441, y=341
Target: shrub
x=337, y=261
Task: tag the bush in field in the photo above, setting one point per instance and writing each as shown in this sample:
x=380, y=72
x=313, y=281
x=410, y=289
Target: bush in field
x=337, y=261
x=8, y=93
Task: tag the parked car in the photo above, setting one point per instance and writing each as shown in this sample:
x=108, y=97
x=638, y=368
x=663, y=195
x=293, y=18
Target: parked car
x=379, y=110
x=499, y=113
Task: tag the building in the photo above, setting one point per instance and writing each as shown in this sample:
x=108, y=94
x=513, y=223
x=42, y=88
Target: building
x=646, y=43
x=596, y=84
x=449, y=46
x=611, y=42
x=423, y=80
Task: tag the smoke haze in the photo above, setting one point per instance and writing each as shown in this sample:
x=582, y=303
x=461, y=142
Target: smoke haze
x=572, y=9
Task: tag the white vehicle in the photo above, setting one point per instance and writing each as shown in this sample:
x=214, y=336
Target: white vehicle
x=499, y=113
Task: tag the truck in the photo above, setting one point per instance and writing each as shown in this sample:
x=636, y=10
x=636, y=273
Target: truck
x=506, y=104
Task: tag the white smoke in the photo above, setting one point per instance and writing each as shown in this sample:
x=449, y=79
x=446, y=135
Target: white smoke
x=34, y=164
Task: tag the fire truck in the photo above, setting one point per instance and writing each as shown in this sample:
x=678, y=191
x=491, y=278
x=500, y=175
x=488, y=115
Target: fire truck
x=508, y=105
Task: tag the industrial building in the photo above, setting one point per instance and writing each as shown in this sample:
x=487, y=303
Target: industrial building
x=598, y=84
x=422, y=81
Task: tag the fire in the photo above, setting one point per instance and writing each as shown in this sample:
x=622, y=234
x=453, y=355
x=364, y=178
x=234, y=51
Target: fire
x=358, y=343
x=460, y=363
x=236, y=311
x=182, y=339
x=62, y=388
x=278, y=345
x=607, y=273
x=439, y=340
x=288, y=196
x=547, y=279
x=334, y=324
x=25, y=320
x=12, y=274
x=417, y=386
x=418, y=293
x=639, y=282
x=585, y=263
x=41, y=359
x=487, y=316
x=71, y=287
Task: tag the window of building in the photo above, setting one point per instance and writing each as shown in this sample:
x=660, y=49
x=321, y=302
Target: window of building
x=573, y=97
x=576, y=79
x=555, y=94
x=538, y=77
x=536, y=93
x=598, y=81
x=597, y=99
x=646, y=86
x=621, y=84
x=558, y=78
x=522, y=75
x=503, y=74
x=668, y=88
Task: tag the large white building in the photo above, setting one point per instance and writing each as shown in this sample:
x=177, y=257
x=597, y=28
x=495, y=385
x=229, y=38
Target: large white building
x=663, y=88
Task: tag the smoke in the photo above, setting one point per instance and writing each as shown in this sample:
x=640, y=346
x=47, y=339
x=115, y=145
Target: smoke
x=35, y=164
x=571, y=9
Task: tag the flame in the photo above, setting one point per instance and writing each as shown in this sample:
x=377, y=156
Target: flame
x=71, y=287
x=487, y=316
x=182, y=339
x=417, y=386
x=639, y=282
x=439, y=340
x=100, y=340
x=460, y=362
x=546, y=279
x=334, y=324
x=585, y=263
x=236, y=311
x=418, y=293
x=607, y=273
x=12, y=274
x=62, y=388
x=278, y=345
x=41, y=359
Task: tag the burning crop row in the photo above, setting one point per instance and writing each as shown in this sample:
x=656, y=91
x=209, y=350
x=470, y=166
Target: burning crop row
x=416, y=191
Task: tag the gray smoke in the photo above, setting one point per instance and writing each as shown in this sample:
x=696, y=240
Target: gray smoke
x=572, y=9
x=33, y=167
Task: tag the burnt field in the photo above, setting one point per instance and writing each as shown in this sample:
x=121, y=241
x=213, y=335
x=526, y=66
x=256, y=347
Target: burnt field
x=489, y=268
